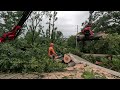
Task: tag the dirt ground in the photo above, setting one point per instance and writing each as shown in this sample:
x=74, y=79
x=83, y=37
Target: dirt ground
x=74, y=72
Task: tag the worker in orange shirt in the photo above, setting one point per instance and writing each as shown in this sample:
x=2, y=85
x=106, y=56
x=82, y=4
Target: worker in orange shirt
x=51, y=52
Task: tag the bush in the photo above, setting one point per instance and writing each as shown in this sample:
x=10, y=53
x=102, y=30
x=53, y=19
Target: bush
x=92, y=75
x=51, y=66
x=71, y=41
x=113, y=64
x=108, y=45
x=34, y=59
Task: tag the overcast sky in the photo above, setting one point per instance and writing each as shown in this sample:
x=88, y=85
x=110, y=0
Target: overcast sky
x=68, y=20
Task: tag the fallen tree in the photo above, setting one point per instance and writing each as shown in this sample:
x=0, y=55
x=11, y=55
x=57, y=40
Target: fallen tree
x=78, y=60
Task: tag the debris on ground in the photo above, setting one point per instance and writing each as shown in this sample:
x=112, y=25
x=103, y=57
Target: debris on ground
x=77, y=70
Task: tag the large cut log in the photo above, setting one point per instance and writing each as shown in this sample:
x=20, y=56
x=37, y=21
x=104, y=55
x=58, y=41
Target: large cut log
x=85, y=62
x=100, y=34
x=67, y=58
x=100, y=55
x=96, y=36
x=97, y=55
x=108, y=56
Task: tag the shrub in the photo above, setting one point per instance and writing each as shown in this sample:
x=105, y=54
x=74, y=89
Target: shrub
x=34, y=59
x=108, y=45
x=113, y=64
x=92, y=75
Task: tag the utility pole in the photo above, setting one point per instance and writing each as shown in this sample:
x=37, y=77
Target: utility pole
x=76, y=36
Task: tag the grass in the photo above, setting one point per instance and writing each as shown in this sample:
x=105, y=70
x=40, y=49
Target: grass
x=92, y=75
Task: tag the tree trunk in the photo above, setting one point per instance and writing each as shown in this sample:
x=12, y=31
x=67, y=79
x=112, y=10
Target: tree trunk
x=96, y=36
x=77, y=59
x=67, y=58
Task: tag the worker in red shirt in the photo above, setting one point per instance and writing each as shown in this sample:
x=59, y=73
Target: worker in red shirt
x=51, y=52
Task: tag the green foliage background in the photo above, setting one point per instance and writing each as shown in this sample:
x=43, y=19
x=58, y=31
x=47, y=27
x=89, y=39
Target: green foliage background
x=29, y=52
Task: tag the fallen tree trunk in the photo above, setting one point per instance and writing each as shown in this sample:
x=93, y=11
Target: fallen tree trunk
x=96, y=36
x=108, y=56
x=77, y=60
x=97, y=55
x=100, y=55
x=67, y=58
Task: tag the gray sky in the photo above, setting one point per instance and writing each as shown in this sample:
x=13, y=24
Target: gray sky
x=68, y=20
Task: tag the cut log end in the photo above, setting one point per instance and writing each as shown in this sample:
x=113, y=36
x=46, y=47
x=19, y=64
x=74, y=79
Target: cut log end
x=67, y=58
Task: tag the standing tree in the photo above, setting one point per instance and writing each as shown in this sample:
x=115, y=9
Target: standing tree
x=59, y=38
x=34, y=27
x=8, y=20
x=54, y=18
x=71, y=41
x=108, y=21
x=59, y=34
x=48, y=31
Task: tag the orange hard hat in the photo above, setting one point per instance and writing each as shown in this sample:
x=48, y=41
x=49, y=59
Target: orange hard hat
x=51, y=44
